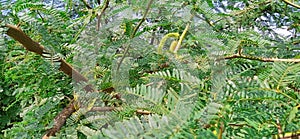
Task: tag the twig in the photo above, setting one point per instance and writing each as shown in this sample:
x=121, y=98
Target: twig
x=143, y=112
x=86, y=4
x=250, y=7
x=43, y=20
x=134, y=32
x=101, y=13
x=153, y=33
x=205, y=18
x=237, y=125
x=292, y=4
x=102, y=109
x=221, y=131
x=259, y=58
x=292, y=136
x=142, y=20
x=278, y=126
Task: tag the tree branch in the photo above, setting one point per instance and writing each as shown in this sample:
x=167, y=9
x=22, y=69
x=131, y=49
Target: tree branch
x=60, y=120
x=101, y=13
x=102, y=109
x=250, y=7
x=35, y=47
x=142, y=20
x=87, y=5
x=134, y=32
x=259, y=59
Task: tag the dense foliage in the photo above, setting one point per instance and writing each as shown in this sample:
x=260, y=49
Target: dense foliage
x=162, y=69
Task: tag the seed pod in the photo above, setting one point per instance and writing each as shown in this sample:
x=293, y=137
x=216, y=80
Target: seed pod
x=164, y=39
x=173, y=46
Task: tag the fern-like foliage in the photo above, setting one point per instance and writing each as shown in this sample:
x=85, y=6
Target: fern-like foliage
x=258, y=101
x=202, y=91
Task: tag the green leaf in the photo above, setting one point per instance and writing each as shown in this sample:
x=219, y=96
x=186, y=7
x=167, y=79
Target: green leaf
x=210, y=3
x=292, y=114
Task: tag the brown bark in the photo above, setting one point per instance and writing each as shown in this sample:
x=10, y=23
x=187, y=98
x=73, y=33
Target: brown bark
x=26, y=41
x=60, y=120
x=33, y=46
x=101, y=109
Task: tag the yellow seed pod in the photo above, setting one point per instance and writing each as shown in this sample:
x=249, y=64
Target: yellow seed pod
x=173, y=45
x=164, y=39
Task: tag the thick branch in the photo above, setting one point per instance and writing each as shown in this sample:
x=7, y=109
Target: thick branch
x=26, y=41
x=259, y=59
x=33, y=46
x=60, y=120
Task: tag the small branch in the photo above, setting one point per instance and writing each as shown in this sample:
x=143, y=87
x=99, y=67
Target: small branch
x=292, y=136
x=237, y=125
x=152, y=38
x=278, y=126
x=143, y=112
x=221, y=131
x=43, y=20
x=26, y=41
x=205, y=18
x=102, y=109
x=101, y=13
x=250, y=7
x=86, y=4
x=18, y=35
x=292, y=4
x=142, y=20
x=134, y=32
x=259, y=59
